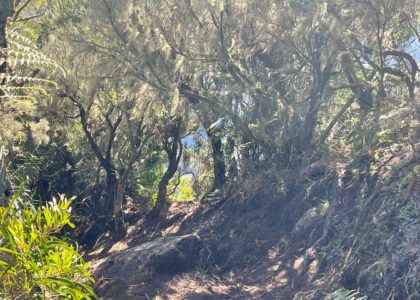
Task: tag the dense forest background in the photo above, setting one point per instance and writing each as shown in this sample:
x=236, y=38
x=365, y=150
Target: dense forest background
x=306, y=107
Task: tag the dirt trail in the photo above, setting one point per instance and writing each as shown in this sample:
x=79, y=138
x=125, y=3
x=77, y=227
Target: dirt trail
x=255, y=251
x=267, y=268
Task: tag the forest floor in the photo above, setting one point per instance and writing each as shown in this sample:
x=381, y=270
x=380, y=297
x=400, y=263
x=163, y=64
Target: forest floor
x=251, y=258
x=254, y=254
x=267, y=271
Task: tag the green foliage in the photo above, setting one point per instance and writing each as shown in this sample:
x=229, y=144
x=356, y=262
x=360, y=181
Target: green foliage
x=359, y=131
x=23, y=52
x=20, y=89
x=284, y=243
x=408, y=212
x=384, y=137
x=25, y=169
x=47, y=171
x=323, y=206
x=147, y=181
x=279, y=73
x=34, y=262
x=184, y=191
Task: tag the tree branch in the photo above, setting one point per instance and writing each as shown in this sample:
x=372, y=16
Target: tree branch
x=18, y=11
x=111, y=138
x=411, y=60
x=334, y=121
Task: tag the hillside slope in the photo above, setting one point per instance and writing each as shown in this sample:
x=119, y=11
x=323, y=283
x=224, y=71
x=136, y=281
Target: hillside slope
x=295, y=234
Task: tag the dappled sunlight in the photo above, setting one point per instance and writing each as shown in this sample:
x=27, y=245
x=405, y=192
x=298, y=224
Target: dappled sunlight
x=274, y=268
x=97, y=251
x=196, y=285
x=253, y=289
x=281, y=278
x=297, y=264
x=313, y=269
x=96, y=263
x=218, y=149
x=171, y=230
x=119, y=246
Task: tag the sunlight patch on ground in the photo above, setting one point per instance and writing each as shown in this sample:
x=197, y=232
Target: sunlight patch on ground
x=297, y=265
x=281, y=278
x=313, y=269
x=97, y=251
x=196, y=285
x=96, y=263
x=132, y=229
x=119, y=246
x=274, y=268
x=171, y=230
x=252, y=289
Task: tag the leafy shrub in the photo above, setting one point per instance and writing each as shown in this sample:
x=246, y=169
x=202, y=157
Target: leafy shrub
x=36, y=264
x=147, y=181
x=184, y=190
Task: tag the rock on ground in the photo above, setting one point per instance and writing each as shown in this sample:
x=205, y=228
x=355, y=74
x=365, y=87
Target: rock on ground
x=123, y=274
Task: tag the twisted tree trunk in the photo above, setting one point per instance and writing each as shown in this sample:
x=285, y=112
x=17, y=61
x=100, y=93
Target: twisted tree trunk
x=4, y=182
x=219, y=166
x=173, y=148
x=6, y=11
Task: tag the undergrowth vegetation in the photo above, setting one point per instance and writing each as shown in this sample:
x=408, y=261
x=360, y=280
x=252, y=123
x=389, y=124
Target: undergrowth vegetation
x=35, y=261
x=305, y=112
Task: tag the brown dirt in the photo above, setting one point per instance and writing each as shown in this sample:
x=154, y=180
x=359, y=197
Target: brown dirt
x=248, y=252
x=247, y=234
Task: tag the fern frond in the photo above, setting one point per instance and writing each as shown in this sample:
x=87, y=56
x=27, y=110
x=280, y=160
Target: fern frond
x=22, y=51
x=26, y=79
x=25, y=89
x=18, y=90
x=33, y=54
x=14, y=36
x=26, y=61
x=18, y=46
x=22, y=100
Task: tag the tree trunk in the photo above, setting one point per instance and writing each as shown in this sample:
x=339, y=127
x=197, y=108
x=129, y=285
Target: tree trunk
x=162, y=191
x=4, y=181
x=219, y=166
x=311, y=119
x=307, y=132
x=334, y=121
x=320, y=81
x=6, y=11
x=161, y=198
x=111, y=191
x=114, y=188
x=174, y=152
x=119, y=226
